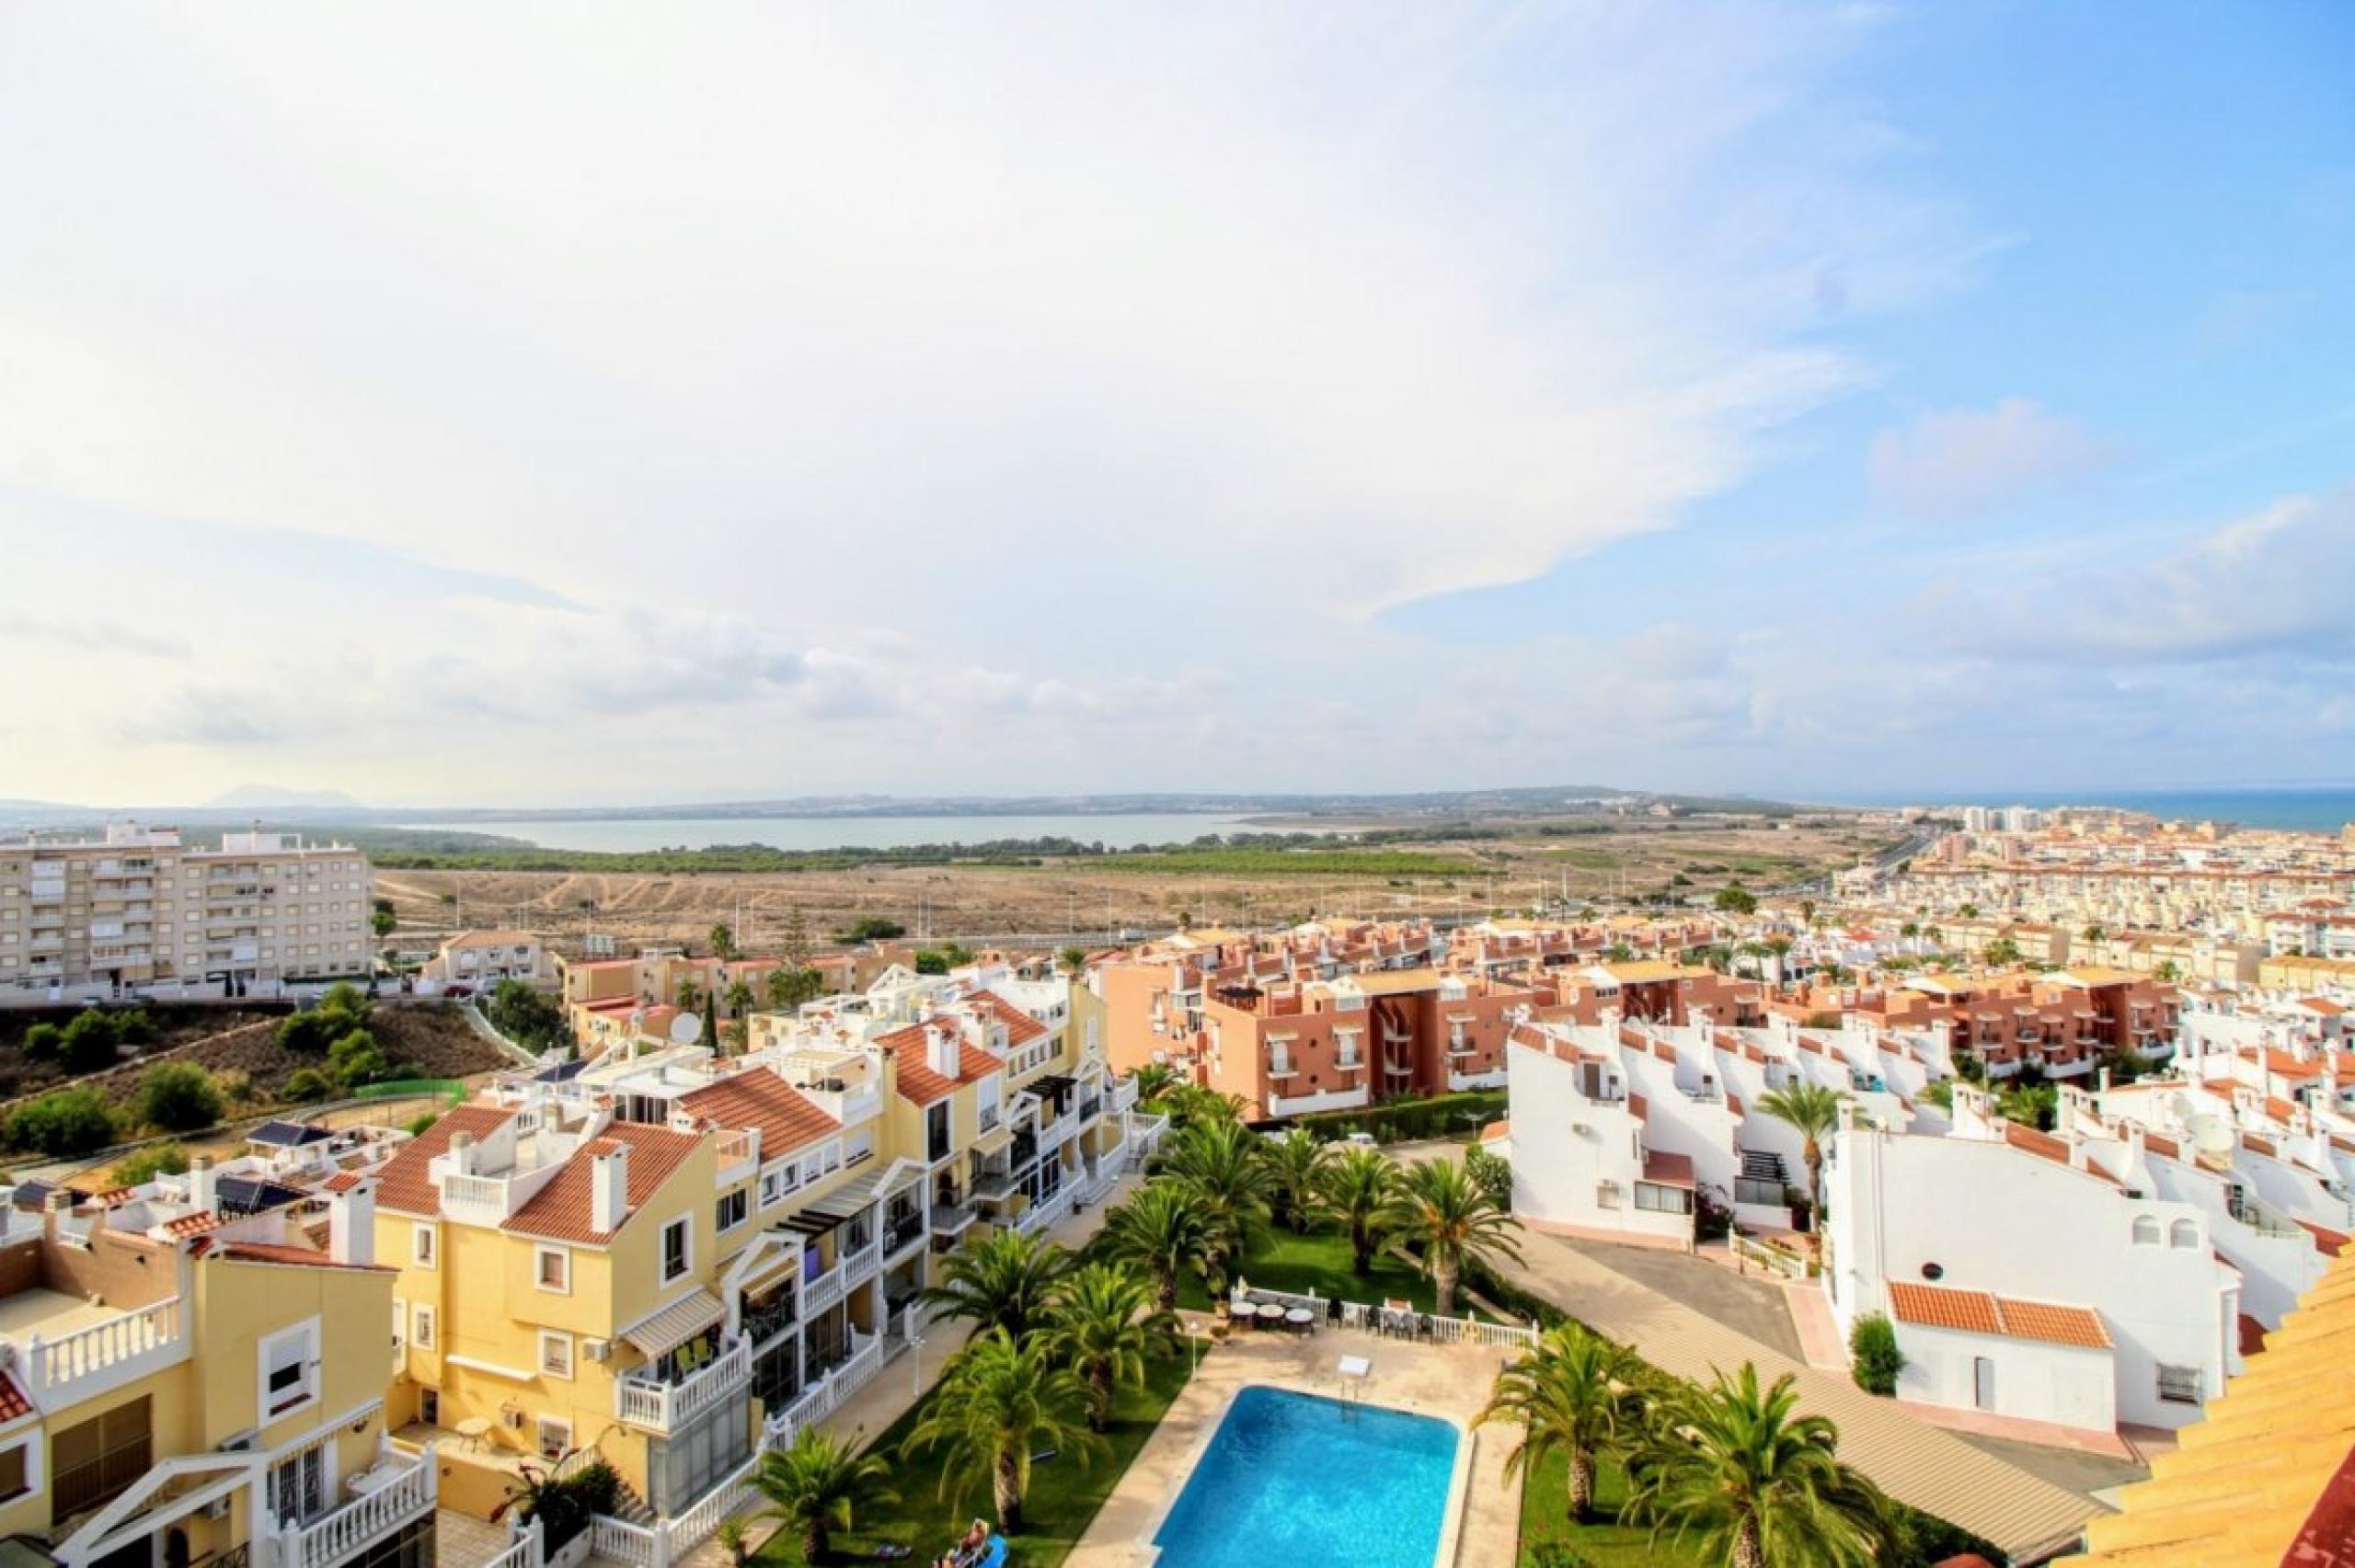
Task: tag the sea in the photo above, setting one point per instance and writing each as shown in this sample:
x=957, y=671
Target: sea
x=629, y=834
x=2321, y=809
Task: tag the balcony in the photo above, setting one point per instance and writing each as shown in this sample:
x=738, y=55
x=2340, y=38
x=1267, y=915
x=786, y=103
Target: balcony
x=86, y=1362
x=1091, y=1108
x=650, y=1403
x=739, y=1154
x=822, y=1290
x=860, y=1264
x=952, y=1219
x=1124, y=1094
x=395, y=1490
x=903, y=1231
x=992, y=1179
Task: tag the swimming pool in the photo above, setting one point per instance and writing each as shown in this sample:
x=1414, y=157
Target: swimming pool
x=1302, y=1482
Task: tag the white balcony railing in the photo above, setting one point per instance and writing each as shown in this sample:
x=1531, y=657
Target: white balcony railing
x=1124, y=1094
x=91, y=1360
x=821, y=1398
x=1040, y=1215
x=860, y=1265
x=665, y=1407
x=397, y=1490
x=822, y=1290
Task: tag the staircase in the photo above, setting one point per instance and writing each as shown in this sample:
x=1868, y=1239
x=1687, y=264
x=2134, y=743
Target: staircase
x=631, y=1509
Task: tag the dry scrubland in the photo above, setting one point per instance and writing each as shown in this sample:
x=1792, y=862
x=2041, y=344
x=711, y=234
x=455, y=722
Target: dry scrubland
x=1092, y=896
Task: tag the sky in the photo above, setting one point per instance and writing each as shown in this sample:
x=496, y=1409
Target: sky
x=584, y=403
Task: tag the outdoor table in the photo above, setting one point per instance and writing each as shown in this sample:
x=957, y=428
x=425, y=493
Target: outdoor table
x=1300, y=1318
x=474, y=1430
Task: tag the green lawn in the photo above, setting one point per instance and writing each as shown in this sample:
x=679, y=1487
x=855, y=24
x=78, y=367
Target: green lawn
x=1319, y=1262
x=1064, y=1496
x=1546, y=1515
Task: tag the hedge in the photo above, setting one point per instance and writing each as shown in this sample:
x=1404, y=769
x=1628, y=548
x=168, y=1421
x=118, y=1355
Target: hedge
x=1406, y=1120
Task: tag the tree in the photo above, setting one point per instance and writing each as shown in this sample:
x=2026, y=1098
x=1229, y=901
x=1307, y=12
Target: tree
x=305, y=1085
x=1220, y=1166
x=155, y=1160
x=1105, y=1324
x=1811, y=1110
x=178, y=1096
x=1492, y=1171
x=91, y=1042
x=1570, y=1398
x=518, y=1010
x=1160, y=1232
x=356, y=1060
x=1362, y=1192
x=958, y=955
x=1619, y=953
x=69, y=1122
x=1873, y=1355
x=740, y=999
x=723, y=941
x=381, y=919
x=1737, y=899
x=820, y=1484
x=1807, y=911
x=1005, y=1282
x=1075, y=961
x=2167, y=973
x=2091, y=934
x=1000, y=1401
x=1154, y=1079
x=1445, y=1210
x=1969, y=911
x=1757, y=1482
x=690, y=995
x=931, y=961
x=871, y=929
x=2002, y=952
x=42, y=1041
x=1296, y=1164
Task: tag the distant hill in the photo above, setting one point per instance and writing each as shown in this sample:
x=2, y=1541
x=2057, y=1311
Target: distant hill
x=272, y=797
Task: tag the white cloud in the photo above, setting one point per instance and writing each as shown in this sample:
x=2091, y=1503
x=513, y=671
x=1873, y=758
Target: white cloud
x=1966, y=461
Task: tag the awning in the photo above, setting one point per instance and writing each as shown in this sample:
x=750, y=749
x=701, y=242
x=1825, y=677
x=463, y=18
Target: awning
x=852, y=1198
x=676, y=1323
x=1668, y=1170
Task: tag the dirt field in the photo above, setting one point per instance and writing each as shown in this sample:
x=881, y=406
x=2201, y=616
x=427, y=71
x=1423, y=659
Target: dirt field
x=1082, y=900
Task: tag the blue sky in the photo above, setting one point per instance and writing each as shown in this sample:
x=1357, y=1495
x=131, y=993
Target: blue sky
x=594, y=404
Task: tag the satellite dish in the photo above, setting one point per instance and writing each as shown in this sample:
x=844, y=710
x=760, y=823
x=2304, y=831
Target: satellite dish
x=686, y=1028
x=2179, y=1109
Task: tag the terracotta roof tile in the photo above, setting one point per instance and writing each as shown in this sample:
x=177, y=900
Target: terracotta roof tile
x=2007, y=1317
x=343, y=1181
x=1974, y=1311
x=192, y=1225
x=304, y=1257
x=918, y=1082
x=787, y=1117
x=407, y=1187
x=560, y=1210
x=1020, y=1027
x=14, y=1404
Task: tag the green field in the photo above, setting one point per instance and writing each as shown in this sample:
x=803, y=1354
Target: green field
x=1319, y=1262
x=1061, y=1503
x=1289, y=863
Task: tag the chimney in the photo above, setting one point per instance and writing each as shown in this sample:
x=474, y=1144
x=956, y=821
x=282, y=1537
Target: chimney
x=351, y=1224
x=941, y=1051
x=462, y=1154
x=609, y=1187
x=201, y=1192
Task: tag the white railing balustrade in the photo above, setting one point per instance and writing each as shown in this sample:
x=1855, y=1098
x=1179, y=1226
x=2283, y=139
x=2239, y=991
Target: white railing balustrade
x=524, y=1553
x=131, y=1345
x=665, y=1407
x=385, y=1507
x=621, y=1542
x=1367, y=1318
x=703, y=1517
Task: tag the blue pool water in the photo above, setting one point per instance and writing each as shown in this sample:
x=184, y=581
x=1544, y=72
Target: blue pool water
x=1299, y=1482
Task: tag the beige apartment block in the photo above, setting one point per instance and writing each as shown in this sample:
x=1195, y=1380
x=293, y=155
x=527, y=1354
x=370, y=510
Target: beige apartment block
x=140, y=911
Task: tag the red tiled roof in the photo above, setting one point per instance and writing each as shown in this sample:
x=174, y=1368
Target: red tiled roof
x=1020, y=1027
x=918, y=1082
x=14, y=1404
x=343, y=1181
x=192, y=1225
x=560, y=1212
x=407, y=1186
x=303, y=1257
x=1668, y=1170
x=1979, y=1311
x=787, y=1117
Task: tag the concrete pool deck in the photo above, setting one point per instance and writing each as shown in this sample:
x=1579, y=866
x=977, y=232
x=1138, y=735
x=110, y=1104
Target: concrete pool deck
x=1449, y=1381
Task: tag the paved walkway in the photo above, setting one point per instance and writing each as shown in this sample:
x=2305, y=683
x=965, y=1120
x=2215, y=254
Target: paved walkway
x=1933, y=1470
x=1451, y=1382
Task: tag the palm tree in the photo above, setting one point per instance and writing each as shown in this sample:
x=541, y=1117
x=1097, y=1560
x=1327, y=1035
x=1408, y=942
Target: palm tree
x=690, y=996
x=1570, y=1398
x=1154, y=1079
x=1160, y=1232
x=998, y=1403
x=1762, y=1485
x=820, y=1484
x=1456, y=1221
x=1190, y=1104
x=1811, y=1110
x=1104, y=1323
x=1296, y=1164
x=1361, y=1190
x=1223, y=1169
x=1005, y=1282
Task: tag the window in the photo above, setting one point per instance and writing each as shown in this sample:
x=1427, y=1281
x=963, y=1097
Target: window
x=420, y=1245
x=420, y=1326
x=1652, y=1198
x=556, y=1354
x=677, y=1249
x=400, y=1324
x=2184, y=1233
x=2146, y=1230
x=552, y=1270
x=775, y=1182
x=556, y=1439
x=96, y=1461
x=2179, y=1385
x=298, y=1489
x=290, y=1370
x=20, y=1468
x=730, y=1210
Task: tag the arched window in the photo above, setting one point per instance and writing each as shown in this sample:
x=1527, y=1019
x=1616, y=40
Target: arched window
x=2146, y=1230
x=2183, y=1233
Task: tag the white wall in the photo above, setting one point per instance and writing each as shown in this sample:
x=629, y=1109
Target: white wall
x=1557, y=1170
x=2034, y=1380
